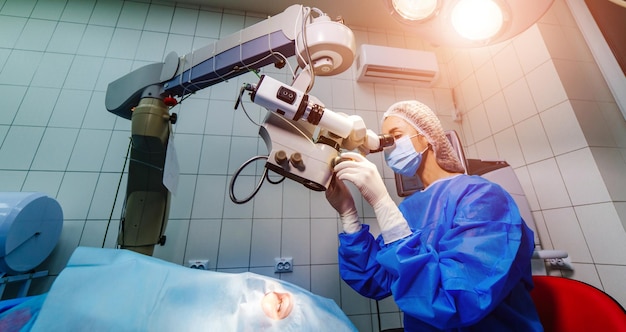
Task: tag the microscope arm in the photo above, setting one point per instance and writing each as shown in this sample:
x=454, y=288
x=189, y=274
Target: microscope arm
x=145, y=96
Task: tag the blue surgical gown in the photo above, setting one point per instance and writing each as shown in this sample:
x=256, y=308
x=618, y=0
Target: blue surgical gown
x=465, y=267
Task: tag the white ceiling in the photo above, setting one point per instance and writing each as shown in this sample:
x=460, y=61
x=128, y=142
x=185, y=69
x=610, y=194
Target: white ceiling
x=356, y=13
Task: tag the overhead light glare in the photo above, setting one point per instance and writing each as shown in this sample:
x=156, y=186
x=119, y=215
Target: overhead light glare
x=414, y=10
x=477, y=19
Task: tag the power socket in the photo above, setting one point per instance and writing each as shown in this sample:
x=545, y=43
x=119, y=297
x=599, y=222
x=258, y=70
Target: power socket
x=199, y=264
x=560, y=263
x=283, y=264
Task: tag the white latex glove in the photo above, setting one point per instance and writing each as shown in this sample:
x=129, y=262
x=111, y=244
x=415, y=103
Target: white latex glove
x=339, y=197
x=364, y=174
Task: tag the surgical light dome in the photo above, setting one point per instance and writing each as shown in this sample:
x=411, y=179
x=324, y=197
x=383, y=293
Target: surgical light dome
x=467, y=23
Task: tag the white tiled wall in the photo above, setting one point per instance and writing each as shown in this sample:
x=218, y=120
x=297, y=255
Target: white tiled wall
x=57, y=57
x=56, y=60
x=545, y=109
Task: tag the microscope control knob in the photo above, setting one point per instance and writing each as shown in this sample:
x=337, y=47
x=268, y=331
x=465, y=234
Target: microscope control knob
x=280, y=157
x=296, y=160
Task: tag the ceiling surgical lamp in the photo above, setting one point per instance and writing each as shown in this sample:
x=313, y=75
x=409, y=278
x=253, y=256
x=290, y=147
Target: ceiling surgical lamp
x=468, y=23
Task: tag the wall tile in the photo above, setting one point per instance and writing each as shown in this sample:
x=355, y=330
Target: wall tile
x=507, y=66
x=296, y=240
x=174, y=248
x=235, y=241
x=208, y=24
x=20, y=67
x=89, y=151
x=53, y=154
x=613, y=281
x=214, y=154
x=611, y=165
x=519, y=101
x=183, y=200
x=124, y=43
x=13, y=96
x=12, y=180
x=95, y=40
x=326, y=281
x=471, y=92
x=531, y=49
x=159, y=18
x=46, y=182
x=18, y=8
x=115, y=157
x=35, y=35
x=96, y=116
x=582, y=178
x=324, y=240
x=184, y=21
x=68, y=241
x=203, y=240
x=52, y=70
x=106, y=13
x=613, y=119
x=487, y=80
x=34, y=112
x=487, y=149
x=566, y=234
x=78, y=11
x=108, y=199
x=151, y=46
x=573, y=79
x=296, y=204
x=83, y=73
x=266, y=235
x=48, y=10
x=268, y=201
x=563, y=129
x=75, y=194
x=479, y=123
x=19, y=147
x=603, y=232
x=188, y=149
x=548, y=184
x=584, y=272
x=545, y=86
x=133, y=15
x=497, y=113
x=230, y=24
x=533, y=140
x=209, y=197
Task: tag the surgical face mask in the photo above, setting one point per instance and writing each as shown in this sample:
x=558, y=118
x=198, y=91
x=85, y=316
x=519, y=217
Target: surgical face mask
x=402, y=157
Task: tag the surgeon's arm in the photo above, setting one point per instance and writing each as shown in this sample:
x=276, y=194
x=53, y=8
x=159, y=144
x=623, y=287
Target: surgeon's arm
x=469, y=271
x=359, y=267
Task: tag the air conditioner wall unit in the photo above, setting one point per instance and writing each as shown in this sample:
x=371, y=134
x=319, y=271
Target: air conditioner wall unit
x=390, y=65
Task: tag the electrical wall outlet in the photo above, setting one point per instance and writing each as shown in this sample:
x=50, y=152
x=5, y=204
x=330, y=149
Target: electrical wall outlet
x=283, y=264
x=199, y=264
x=560, y=263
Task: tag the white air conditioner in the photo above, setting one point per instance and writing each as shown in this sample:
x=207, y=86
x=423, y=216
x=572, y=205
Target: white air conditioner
x=382, y=64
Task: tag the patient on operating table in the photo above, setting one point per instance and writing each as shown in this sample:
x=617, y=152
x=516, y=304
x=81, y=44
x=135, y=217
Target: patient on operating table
x=119, y=290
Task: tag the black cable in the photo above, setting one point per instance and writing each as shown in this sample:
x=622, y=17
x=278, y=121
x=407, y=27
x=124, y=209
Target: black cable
x=234, y=178
x=267, y=176
x=119, y=184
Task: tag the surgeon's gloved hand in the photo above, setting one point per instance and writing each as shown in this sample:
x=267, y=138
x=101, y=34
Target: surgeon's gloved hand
x=341, y=200
x=364, y=174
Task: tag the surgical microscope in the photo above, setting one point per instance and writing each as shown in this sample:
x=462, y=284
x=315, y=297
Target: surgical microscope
x=304, y=137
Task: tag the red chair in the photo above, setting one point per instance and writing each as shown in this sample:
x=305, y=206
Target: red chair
x=571, y=305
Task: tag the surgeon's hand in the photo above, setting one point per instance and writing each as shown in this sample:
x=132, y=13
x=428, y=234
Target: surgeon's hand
x=339, y=197
x=364, y=174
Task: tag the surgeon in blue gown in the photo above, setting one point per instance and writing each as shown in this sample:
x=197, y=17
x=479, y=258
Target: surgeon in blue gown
x=455, y=256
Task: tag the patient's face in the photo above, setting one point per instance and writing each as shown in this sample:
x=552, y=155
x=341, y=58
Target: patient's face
x=277, y=305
